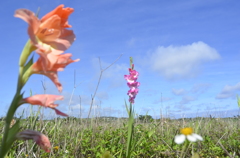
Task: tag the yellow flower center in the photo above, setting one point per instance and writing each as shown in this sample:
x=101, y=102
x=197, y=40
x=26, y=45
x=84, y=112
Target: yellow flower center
x=186, y=131
x=56, y=147
x=106, y=154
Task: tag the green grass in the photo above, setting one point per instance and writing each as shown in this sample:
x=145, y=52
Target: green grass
x=91, y=138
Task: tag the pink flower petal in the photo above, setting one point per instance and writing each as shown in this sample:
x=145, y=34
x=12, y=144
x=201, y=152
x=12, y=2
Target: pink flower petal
x=45, y=100
x=38, y=137
x=60, y=113
x=33, y=22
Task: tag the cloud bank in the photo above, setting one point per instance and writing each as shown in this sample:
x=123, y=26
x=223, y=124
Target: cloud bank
x=178, y=91
x=228, y=91
x=180, y=62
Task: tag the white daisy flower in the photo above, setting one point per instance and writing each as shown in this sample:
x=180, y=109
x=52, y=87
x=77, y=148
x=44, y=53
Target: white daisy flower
x=66, y=151
x=187, y=133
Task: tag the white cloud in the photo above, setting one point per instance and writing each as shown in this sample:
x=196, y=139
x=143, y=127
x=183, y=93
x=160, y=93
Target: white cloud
x=102, y=95
x=178, y=91
x=224, y=95
x=178, y=62
x=200, y=88
x=131, y=42
x=187, y=99
x=160, y=100
x=78, y=110
x=228, y=91
x=149, y=92
x=113, y=75
x=73, y=99
x=166, y=98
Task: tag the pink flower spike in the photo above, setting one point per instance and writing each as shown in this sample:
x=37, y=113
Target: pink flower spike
x=131, y=100
x=132, y=77
x=39, y=138
x=133, y=92
x=132, y=84
x=134, y=74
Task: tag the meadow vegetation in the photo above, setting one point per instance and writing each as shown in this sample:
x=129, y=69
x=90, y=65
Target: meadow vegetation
x=74, y=137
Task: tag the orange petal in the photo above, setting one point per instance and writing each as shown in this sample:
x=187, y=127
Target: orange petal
x=45, y=100
x=33, y=22
x=60, y=113
x=49, y=63
x=46, y=59
x=65, y=40
x=54, y=77
x=63, y=13
x=50, y=29
x=44, y=66
x=62, y=61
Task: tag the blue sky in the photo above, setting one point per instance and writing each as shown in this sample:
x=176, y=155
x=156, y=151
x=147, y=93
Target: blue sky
x=187, y=53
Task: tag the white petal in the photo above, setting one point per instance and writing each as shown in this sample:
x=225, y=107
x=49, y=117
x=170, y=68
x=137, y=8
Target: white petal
x=179, y=139
x=191, y=138
x=197, y=136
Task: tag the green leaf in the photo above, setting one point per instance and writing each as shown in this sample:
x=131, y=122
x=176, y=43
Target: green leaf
x=150, y=133
x=130, y=139
x=12, y=135
x=12, y=132
x=127, y=108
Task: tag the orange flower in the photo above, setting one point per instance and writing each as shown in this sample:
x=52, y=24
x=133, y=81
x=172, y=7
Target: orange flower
x=45, y=100
x=51, y=29
x=50, y=63
x=38, y=137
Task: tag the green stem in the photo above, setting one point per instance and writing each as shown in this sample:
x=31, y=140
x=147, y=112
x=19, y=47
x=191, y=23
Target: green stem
x=184, y=148
x=20, y=82
x=28, y=48
x=130, y=131
x=4, y=149
x=11, y=111
x=131, y=63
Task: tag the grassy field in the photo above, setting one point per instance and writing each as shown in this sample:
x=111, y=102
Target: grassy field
x=90, y=138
